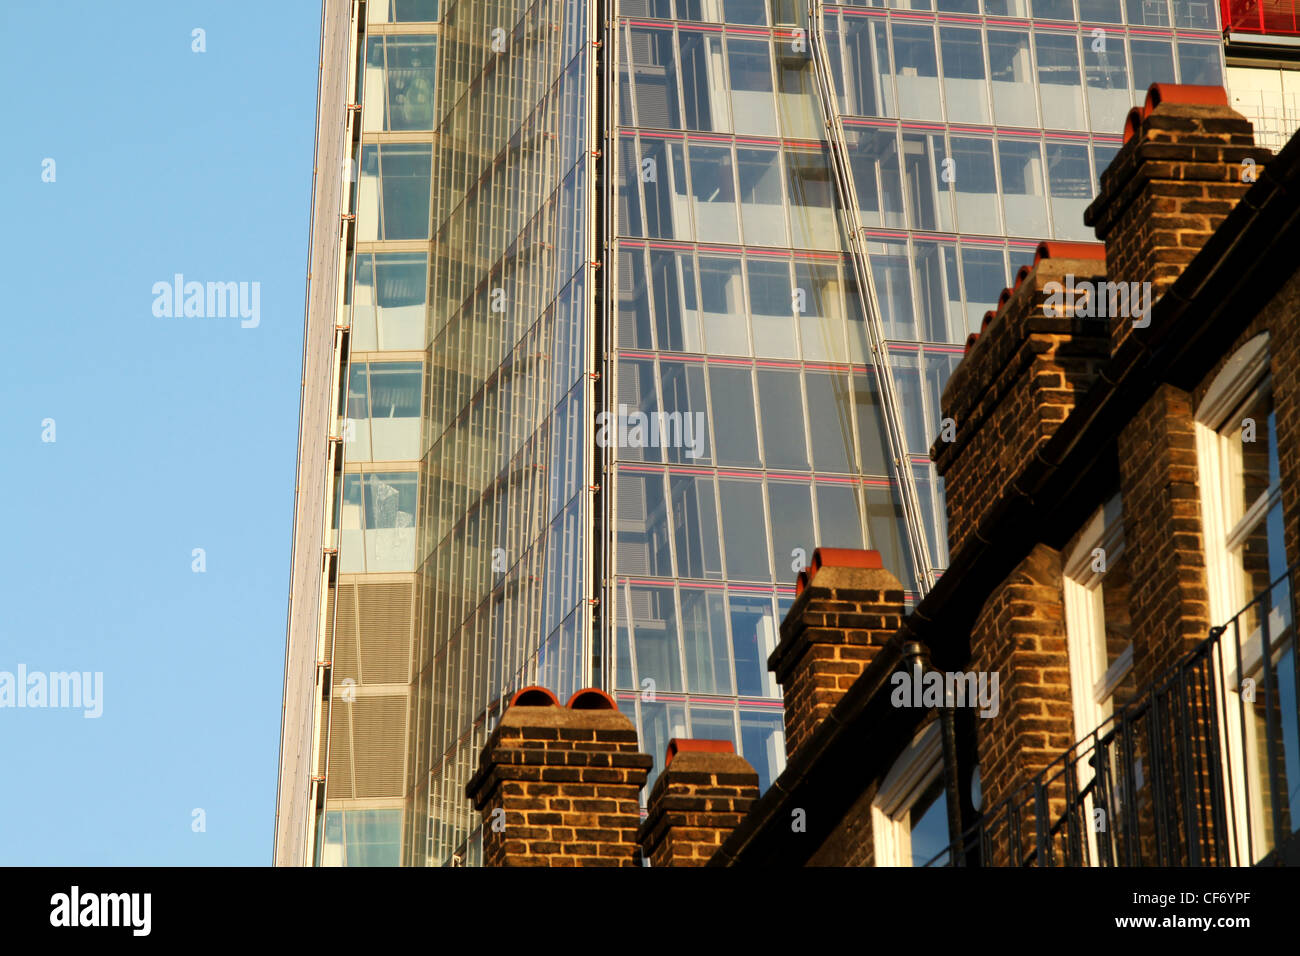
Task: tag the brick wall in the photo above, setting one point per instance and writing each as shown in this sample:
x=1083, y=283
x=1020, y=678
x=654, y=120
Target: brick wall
x=558, y=786
x=704, y=792
x=1020, y=635
x=1175, y=180
x=1016, y=385
x=848, y=609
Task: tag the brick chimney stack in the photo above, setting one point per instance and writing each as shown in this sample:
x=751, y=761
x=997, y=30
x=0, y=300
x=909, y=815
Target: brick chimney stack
x=558, y=786
x=704, y=792
x=847, y=607
x=1022, y=375
x=1186, y=161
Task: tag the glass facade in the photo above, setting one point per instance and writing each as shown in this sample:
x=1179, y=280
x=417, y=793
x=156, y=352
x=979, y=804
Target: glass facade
x=506, y=507
x=561, y=223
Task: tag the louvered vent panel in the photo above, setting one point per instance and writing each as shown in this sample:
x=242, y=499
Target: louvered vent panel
x=385, y=614
x=629, y=385
x=640, y=608
x=339, y=785
x=345, y=637
x=379, y=736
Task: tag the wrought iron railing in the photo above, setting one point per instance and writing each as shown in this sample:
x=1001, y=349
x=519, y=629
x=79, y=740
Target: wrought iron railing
x=1201, y=769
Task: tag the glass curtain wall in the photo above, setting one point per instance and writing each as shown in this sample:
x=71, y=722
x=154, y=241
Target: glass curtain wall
x=975, y=130
x=506, y=431
x=981, y=127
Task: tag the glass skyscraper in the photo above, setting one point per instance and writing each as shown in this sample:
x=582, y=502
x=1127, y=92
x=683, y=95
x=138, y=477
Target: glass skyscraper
x=604, y=366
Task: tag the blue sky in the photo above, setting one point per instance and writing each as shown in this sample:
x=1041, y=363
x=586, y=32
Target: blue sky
x=170, y=433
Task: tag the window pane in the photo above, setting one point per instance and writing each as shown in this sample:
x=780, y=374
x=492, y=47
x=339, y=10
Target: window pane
x=1153, y=62
x=781, y=412
x=643, y=526
x=796, y=95
x=395, y=410
x=869, y=89
x=745, y=11
x=832, y=423
x=839, y=520
x=1196, y=15
x=1070, y=178
x=976, y=186
x=723, y=301
x=1109, y=97
x=402, y=11
x=654, y=636
x=744, y=530
x=762, y=743
x=704, y=635
x=393, y=191
x=1099, y=11
x=812, y=200
x=888, y=533
x=713, y=723
x=749, y=65
x=873, y=157
x=753, y=635
x=411, y=74
x=792, y=528
x=695, y=527
x=762, y=212
x=819, y=304
x=984, y=274
x=872, y=441
x=1058, y=78
x=891, y=273
x=964, y=81
x=1053, y=10
x=714, y=188
x=633, y=301
x=1013, y=84
x=770, y=308
x=1021, y=165
x=1147, y=13
x=682, y=387
x=916, y=72
x=390, y=521
x=677, y=315
x=704, y=93
x=928, y=820
x=654, y=74
x=939, y=292
x=637, y=404
x=734, y=430
x=1200, y=63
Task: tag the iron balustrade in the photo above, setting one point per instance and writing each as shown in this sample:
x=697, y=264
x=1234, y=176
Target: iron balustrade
x=1201, y=769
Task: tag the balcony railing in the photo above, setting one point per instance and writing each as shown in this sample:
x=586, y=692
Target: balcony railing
x=1202, y=769
x=1264, y=17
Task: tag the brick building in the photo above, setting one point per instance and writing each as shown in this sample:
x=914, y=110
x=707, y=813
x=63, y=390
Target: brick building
x=1107, y=672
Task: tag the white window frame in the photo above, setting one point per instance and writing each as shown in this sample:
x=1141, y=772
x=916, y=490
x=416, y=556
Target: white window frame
x=1091, y=687
x=1244, y=375
x=912, y=774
